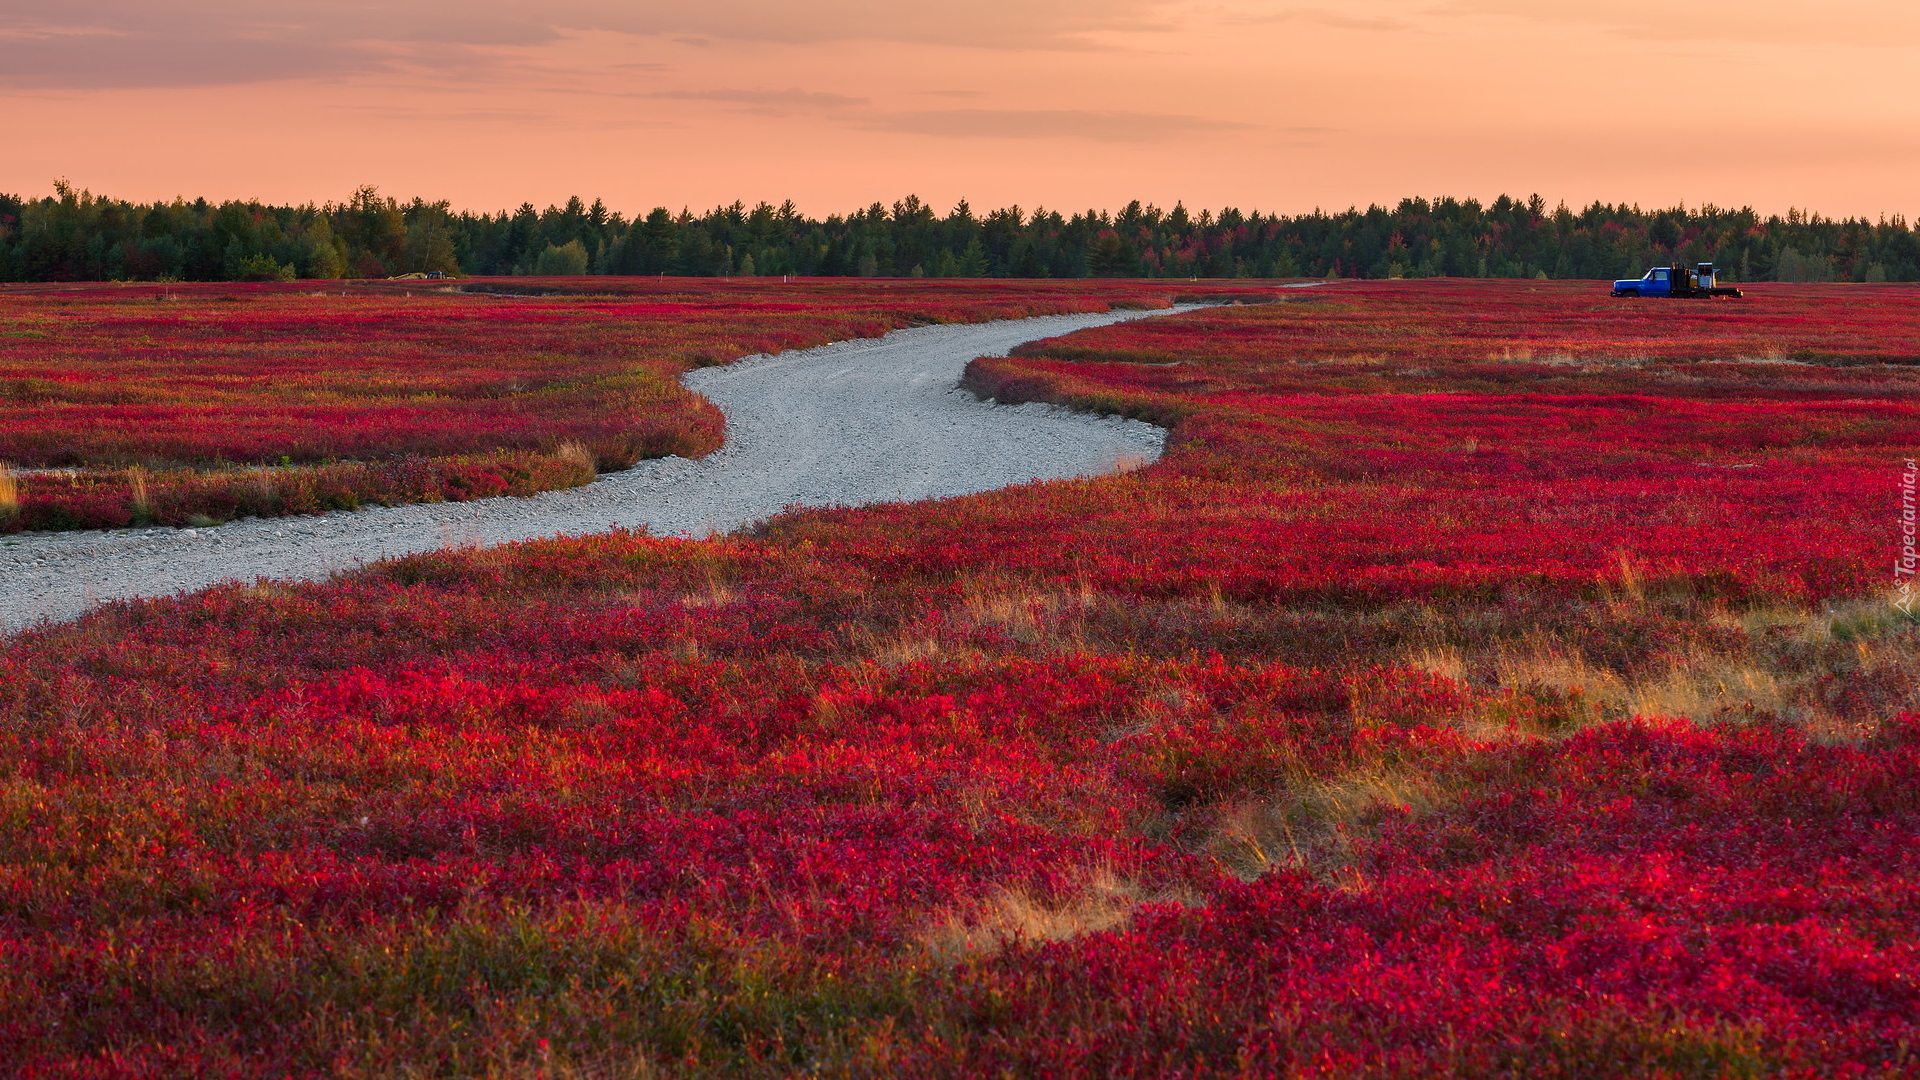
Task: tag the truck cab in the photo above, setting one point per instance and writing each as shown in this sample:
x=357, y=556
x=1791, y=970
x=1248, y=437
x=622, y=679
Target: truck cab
x=1657, y=282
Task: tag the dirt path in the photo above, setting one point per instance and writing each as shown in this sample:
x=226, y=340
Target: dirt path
x=842, y=425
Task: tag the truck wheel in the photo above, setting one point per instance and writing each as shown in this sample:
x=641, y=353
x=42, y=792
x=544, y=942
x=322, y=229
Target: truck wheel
x=1631, y=294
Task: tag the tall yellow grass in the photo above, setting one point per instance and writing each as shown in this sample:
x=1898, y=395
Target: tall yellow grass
x=576, y=451
x=9, y=492
x=1105, y=901
x=1309, y=824
x=137, y=484
x=1786, y=673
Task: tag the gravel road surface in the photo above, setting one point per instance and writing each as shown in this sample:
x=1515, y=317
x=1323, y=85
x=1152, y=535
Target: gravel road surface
x=846, y=424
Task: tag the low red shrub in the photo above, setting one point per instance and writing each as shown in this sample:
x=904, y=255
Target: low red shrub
x=1321, y=748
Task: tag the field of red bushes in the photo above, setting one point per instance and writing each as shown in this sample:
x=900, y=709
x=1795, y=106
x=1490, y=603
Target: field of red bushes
x=161, y=403
x=1433, y=708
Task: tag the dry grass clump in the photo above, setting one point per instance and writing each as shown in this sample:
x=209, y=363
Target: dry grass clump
x=714, y=594
x=1835, y=674
x=1106, y=901
x=884, y=649
x=1022, y=616
x=137, y=498
x=9, y=491
x=1701, y=685
x=715, y=591
x=261, y=486
x=1055, y=618
x=1311, y=825
x=576, y=452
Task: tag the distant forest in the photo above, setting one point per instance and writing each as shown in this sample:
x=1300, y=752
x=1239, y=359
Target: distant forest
x=77, y=236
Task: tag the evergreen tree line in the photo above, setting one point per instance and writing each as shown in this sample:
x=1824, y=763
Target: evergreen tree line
x=77, y=236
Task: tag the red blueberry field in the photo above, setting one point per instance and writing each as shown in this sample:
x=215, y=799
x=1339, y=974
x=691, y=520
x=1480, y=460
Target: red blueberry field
x=140, y=404
x=1494, y=679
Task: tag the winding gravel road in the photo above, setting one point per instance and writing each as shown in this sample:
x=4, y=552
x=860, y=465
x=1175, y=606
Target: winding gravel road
x=845, y=424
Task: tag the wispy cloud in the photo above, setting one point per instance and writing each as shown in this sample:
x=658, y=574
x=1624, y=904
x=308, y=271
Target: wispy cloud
x=1096, y=126
x=1874, y=24
x=132, y=43
x=766, y=101
x=91, y=58
x=1110, y=126
x=1341, y=20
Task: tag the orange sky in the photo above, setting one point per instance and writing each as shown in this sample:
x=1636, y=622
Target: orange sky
x=1267, y=104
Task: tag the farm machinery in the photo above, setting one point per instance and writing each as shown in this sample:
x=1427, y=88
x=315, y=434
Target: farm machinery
x=1676, y=281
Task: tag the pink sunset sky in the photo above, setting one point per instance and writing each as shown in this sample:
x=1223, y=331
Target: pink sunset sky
x=1275, y=105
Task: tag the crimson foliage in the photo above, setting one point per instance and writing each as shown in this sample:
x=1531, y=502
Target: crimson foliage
x=1372, y=733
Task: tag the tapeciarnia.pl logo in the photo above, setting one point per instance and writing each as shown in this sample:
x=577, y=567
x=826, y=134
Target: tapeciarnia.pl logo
x=1904, y=563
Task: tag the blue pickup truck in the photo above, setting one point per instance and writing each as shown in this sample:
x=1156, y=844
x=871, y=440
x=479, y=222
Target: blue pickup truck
x=1676, y=281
